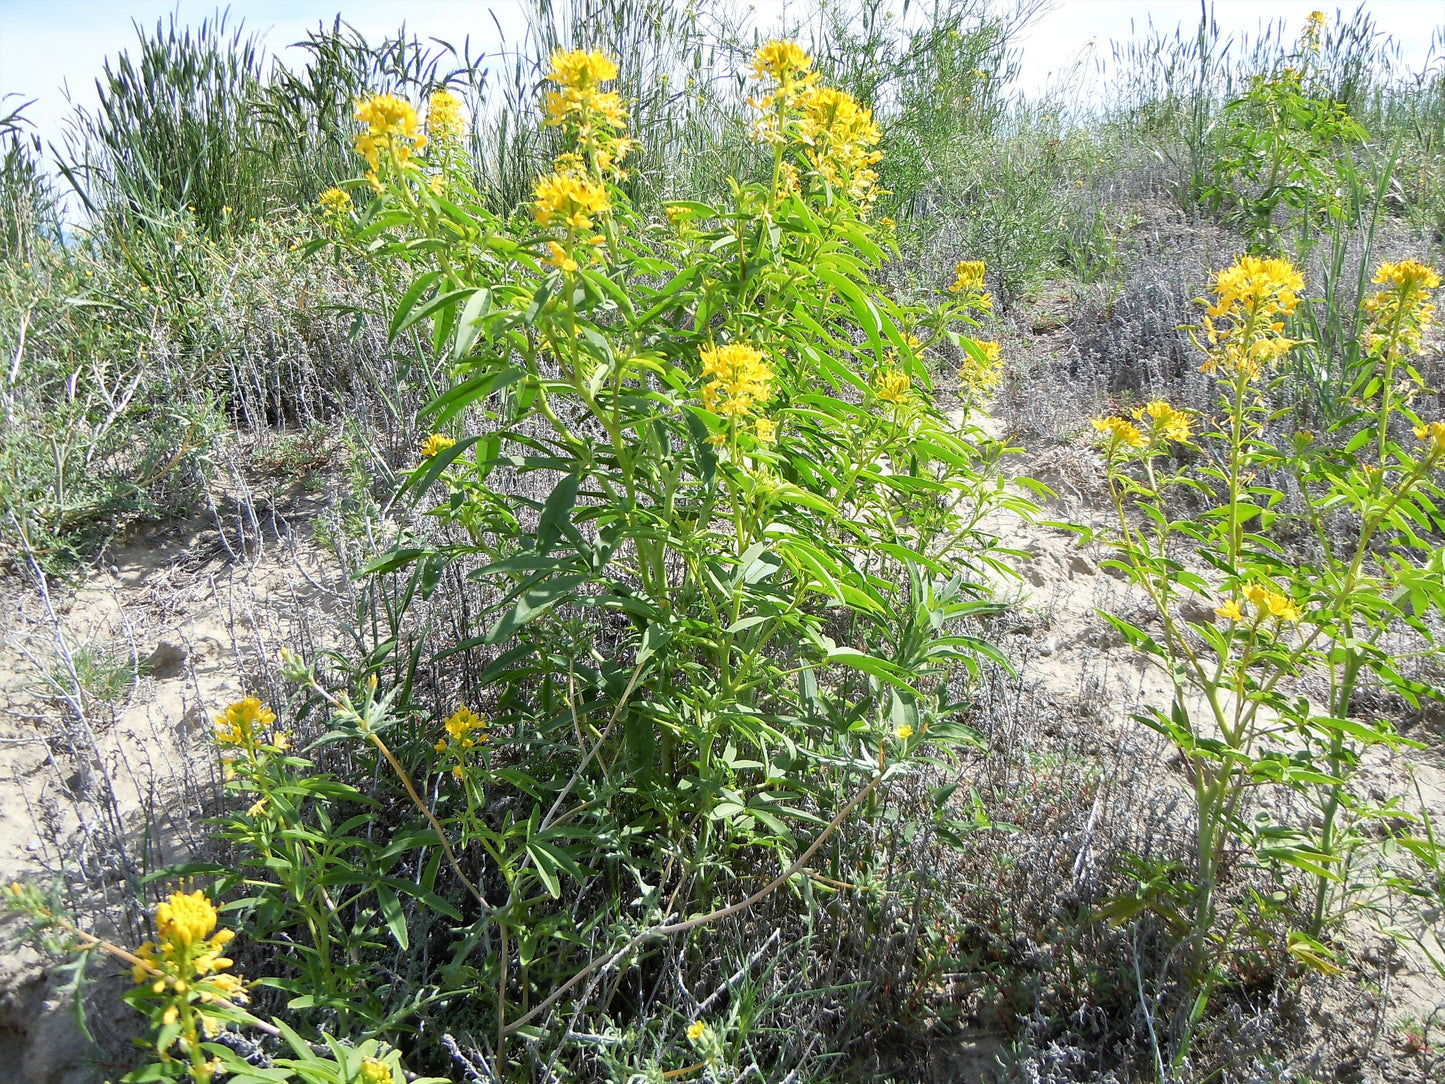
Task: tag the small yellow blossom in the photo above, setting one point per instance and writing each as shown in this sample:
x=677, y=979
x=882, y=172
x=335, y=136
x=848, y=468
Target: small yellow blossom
x=1434, y=434
x=465, y=728
x=904, y=732
x=581, y=69
x=242, y=724
x=1230, y=610
x=374, y=1072
x=737, y=377
x=1243, y=325
x=892, y=386
x=335, y=205
x=1165, y=420
x=1120, y=431
x=766, y=429
x=777, y=60
x=435, y=444
x=1401, y=309
x=696, y=1030
x=967, y=275
x=979, y=378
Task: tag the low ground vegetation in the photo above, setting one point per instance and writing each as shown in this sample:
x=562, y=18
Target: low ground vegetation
x=808, y=564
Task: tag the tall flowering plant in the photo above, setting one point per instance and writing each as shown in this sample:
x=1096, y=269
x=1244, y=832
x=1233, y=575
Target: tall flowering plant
x=713, y=441
x=1360, y=561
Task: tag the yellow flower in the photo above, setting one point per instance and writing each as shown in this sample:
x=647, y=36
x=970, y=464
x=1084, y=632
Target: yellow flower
x=904, y=732
x=458, y=772
x=1230, y=610
x=466, y=729
x=581, y=69
x=1434, y=433
x=1267, y=603
x=1120, y=431
x=737, y=377
x=185, y=919
x=569, y=200
x=1250, y=297
x=374, y=1072
x=1165, y=420
x=335, y=203
x=967, y=276
x=391, y=130
x=434, y=444
x=444, y=116
x=778, y=60
x=892, y=386
x=696, y=1030
x=766, y=429
x=242, y=723
x=836, y=133
x=977, y=377
x=1399, y=312
x=1313, y=32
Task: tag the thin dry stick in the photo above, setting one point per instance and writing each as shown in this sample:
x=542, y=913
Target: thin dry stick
x=669, y=929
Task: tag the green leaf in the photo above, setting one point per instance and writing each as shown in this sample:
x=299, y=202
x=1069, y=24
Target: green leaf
x=395, y=917
x=533, y=603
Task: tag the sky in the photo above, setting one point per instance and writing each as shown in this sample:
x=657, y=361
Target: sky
x=50, y=46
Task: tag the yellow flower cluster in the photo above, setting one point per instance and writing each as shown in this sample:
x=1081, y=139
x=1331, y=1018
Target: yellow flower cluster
x=1250, y=298
x=1265, y=604
x=838, y=135
x=374, y=1072
x=243, y=726
x=980, y=378
x=467, y=730
x=595, y=115
x=185, y=950
x=737, y=378
x=1433, y=433
x=335, y=205
x=444, y=121
x=569, y=200
x=1120, y=431
x=1164, y=420
x=1401, y=309
x=435, y=444
x=766, y=429
x=788, y=68
x=892, y=386
x=968, y=284
x=1312, y=36
x=391, y=132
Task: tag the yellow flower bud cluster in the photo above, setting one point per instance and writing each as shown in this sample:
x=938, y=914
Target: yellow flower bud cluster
x=593, y=115
x=335, y=207
x=1243, y=325
x=467, y=730
x=968, y=285
x=977, y=378
x=893, y=386
x=736, y=379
